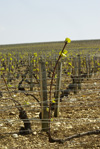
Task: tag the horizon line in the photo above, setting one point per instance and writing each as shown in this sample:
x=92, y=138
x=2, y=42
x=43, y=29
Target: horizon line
x=44, y=42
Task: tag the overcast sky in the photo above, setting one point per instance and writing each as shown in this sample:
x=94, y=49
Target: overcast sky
x=26, y=21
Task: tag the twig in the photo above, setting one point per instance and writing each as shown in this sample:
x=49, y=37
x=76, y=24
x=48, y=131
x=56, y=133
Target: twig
x=82, y=134
x=27, y=94
x=22, y=114
x=52, y=84
x=96, y=132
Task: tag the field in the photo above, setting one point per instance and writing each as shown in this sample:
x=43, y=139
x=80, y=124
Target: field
x=79, y=108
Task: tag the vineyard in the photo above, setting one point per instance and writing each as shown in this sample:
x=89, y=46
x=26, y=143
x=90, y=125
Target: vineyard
x=49, y=98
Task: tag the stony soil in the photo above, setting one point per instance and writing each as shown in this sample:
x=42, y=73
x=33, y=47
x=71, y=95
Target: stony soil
x=78, y=113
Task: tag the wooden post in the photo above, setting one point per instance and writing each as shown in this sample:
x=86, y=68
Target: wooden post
x=58, y=86
x=87, y=67
x=99, y=63
x=79, y=72
x=95, y=65
x=75, y=74
x=30, y=73
x=89, y=63
x=17, y=66
x=9, y=68
x=44, y=101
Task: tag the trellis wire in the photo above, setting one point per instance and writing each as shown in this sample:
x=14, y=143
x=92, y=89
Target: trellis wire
x=32, y=119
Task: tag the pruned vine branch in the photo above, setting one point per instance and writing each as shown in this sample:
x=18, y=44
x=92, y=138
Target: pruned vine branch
x=22, y=114
x=94, y=132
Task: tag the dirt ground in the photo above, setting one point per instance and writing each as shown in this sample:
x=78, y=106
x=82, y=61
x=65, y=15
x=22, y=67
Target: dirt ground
x=78, y=113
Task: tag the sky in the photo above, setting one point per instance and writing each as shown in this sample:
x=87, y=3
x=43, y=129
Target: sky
x=31, y=21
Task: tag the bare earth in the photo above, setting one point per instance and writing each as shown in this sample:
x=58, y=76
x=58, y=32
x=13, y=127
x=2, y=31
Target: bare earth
x=78, y=113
